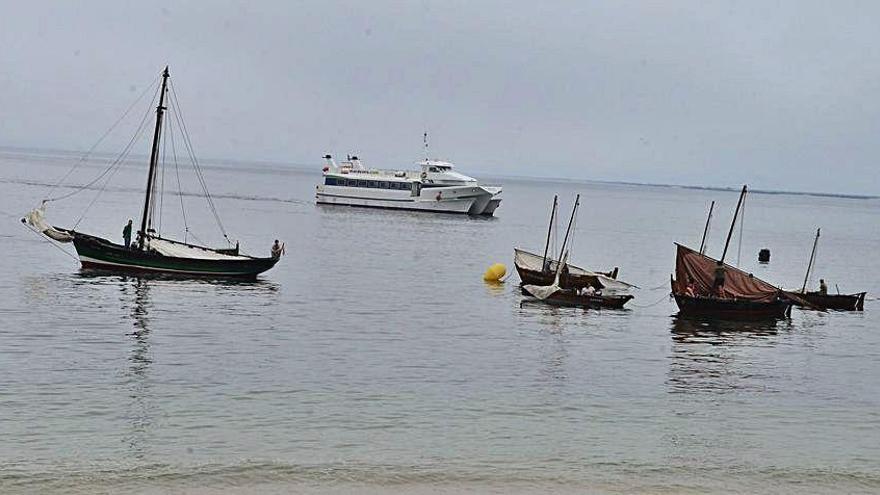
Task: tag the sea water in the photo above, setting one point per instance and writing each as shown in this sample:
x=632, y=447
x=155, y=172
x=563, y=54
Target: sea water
x=374, y=359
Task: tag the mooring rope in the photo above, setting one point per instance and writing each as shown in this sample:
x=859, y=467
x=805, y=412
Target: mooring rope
x=665, y=296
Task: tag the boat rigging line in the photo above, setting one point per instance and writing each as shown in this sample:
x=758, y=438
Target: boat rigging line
x=50, y=241
x=188, y=145
x=742, y=196
x=706, y=230
x=85, y=157
x=577, y=202
x=179, y=188
x=812, y=259
x=549, y=230
x=114, y=166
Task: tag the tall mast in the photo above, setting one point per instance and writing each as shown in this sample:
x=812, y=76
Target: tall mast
x=549, y=230
x=812, y=258
x=146, y=221
x=706, y=230
x=577, y=202
x=742, y=196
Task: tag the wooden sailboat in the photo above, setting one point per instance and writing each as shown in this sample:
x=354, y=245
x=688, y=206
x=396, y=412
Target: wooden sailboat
x=741, y=296
x=152, y=253
x=823, y=300
x=560, y=283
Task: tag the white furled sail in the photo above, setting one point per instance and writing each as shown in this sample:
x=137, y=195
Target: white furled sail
x=180, y=250
x=543, y=292
x=36, y=218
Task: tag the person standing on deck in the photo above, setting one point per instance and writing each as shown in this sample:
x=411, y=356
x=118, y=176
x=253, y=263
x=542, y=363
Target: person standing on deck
x=823, y=289
x=126, y=234
x=720, y=276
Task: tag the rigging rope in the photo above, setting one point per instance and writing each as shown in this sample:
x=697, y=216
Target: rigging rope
x=179, y=189
x=742, y=221
x=188, y=143
x=115, y=166
x=813, y=267
x=43, y=237
x=162, y=179
x=92, y=149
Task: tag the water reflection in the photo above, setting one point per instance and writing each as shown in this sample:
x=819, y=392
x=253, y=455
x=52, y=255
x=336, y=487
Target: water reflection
x=718, y=356
x=135, y=299
x=495, y=289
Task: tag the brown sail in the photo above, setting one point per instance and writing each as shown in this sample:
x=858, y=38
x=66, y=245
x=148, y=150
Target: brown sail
x=699, y=270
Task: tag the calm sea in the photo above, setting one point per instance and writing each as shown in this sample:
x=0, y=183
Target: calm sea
x=374, y=359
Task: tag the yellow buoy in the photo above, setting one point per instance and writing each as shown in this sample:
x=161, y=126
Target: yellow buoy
x=495, y=273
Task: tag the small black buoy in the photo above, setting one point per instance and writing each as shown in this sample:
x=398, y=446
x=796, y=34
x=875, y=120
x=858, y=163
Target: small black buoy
x=764, y=256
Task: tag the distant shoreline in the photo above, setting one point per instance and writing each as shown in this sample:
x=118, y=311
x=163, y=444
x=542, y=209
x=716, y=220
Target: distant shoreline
x=283, y=166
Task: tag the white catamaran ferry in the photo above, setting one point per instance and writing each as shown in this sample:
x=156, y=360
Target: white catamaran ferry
x=436, y=187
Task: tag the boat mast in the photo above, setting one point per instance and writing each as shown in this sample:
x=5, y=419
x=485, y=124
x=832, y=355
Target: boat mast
x=577, y=202
x=549, y=230
x=812, y=258
x=742, y=196
x=706, y=230
x=146, y=221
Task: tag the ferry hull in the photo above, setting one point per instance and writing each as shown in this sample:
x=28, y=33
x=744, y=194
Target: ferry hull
x=439, y=200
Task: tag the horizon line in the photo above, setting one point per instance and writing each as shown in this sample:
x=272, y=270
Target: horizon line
x=305, y=167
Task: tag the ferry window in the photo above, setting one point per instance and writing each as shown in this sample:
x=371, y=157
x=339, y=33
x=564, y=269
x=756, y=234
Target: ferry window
x=384, y=185
x=432, y=169
x=373, y=183
x=329, y=181
x=362, y=183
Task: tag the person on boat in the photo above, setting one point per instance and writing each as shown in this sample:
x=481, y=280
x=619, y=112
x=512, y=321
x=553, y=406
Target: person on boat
x=718, y=283
x=126, y=234
x=277, y=249
x=823, y=288
x=691, y=288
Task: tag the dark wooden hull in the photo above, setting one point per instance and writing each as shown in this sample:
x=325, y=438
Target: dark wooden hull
x=730, y=309
x=96, y=253
x=841, y=302
x=534, y=277
x=568, y=298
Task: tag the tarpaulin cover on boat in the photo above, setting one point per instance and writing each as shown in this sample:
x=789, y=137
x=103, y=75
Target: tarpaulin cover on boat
x=691, y=265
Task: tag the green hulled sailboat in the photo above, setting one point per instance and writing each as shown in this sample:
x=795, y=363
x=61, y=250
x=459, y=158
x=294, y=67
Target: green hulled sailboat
x=150, y=252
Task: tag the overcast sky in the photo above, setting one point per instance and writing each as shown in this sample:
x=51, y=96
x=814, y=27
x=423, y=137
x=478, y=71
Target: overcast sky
x=781, y=95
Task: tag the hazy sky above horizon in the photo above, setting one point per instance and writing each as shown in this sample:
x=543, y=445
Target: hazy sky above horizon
x=780, y=95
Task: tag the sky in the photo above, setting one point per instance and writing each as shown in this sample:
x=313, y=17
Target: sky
x=779, y=95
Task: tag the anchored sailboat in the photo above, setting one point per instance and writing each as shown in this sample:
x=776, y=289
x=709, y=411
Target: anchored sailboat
x=151, y=252
x=560, y=283
x=707, y=287
x=821, y=298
